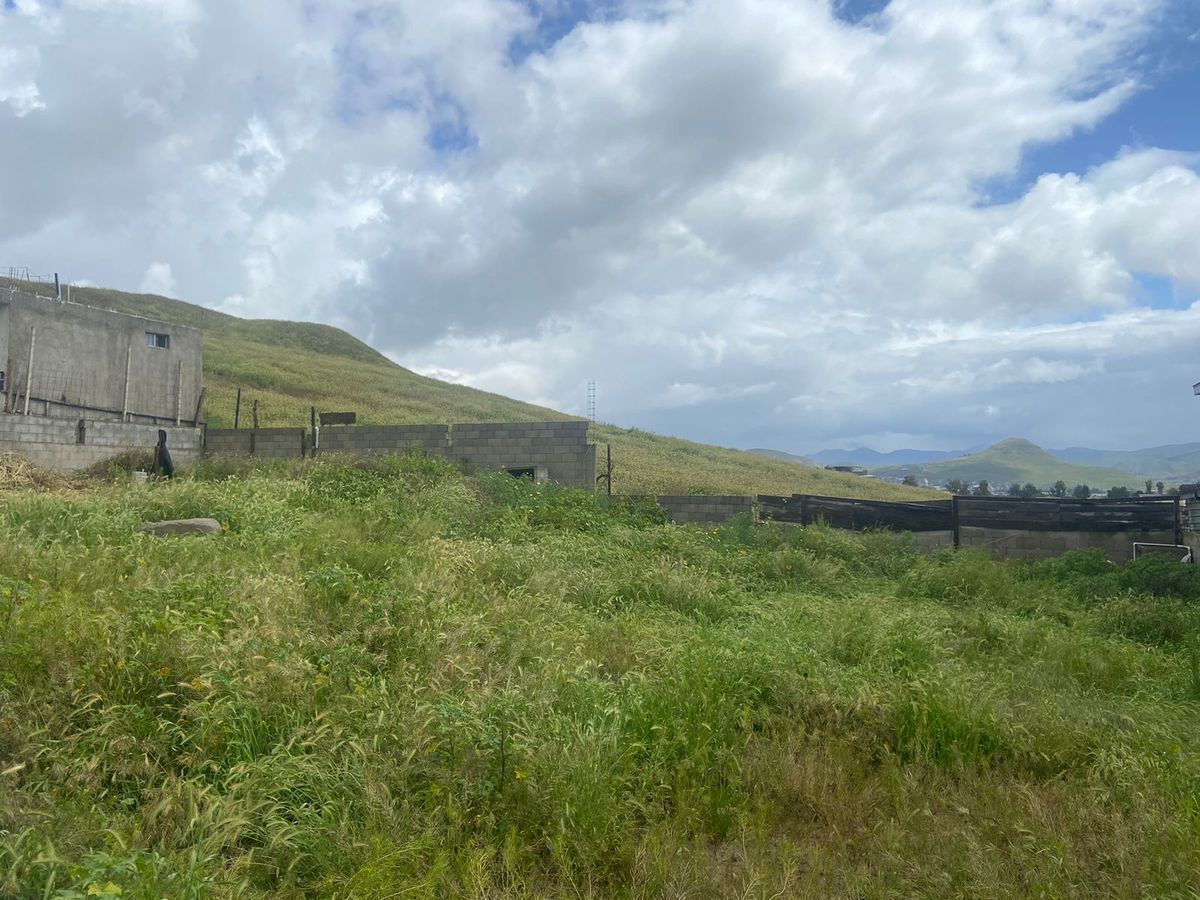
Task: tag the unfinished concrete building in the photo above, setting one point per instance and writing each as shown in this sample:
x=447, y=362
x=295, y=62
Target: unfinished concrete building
x=79, y=384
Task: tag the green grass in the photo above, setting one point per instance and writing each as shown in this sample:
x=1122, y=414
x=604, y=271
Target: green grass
x=290, y=367
x=388, y=680
x=1015, y=460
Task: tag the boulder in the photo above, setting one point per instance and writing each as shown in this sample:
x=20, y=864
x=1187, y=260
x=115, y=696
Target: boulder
x=182, y=526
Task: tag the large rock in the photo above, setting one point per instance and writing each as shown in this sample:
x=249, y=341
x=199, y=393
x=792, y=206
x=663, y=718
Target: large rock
x=183, y=526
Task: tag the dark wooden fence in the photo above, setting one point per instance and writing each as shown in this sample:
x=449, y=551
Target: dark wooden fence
x=1034, y=514
x=1062, y=514
x=804, y=509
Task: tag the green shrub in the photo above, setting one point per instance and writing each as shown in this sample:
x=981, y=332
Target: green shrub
x=1150, y=620
x=960, y=578
x=1160, y=576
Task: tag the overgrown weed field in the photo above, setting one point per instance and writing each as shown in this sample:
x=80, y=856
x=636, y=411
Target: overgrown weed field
x=387, y=680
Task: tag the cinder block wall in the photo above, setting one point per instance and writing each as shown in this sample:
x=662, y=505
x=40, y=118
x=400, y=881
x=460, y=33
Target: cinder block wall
x=55, y=443
x=1016, y=544
x=560, y=447
x=929, y=541
x=385, y=439
x=267, y=443
x=705, y=510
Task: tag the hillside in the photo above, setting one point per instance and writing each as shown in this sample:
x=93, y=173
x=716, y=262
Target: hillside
x=1173, y=463
x=1013, y=459
x=291, y=366
x=871, y=459
x=782, y=455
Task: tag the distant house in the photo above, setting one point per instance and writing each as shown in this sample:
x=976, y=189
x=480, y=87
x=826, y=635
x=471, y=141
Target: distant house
x=852, y=470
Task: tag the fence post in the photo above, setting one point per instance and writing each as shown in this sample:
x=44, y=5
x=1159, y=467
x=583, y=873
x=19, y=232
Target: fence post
x=125, y=402
x=804, y=510
x=1178, y=523
x=954, y=518
x=29, y=370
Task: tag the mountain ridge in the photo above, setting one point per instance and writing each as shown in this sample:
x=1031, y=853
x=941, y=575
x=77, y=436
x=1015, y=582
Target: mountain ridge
x=1014, y=460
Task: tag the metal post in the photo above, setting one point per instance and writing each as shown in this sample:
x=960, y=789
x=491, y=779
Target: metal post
x=125, y=404
x=237, y=411
x=608, y=467
x=254, y=412
x=178, y=394
x=29, y=369
x=312, y=416
x=954, y=519
x=199, y=406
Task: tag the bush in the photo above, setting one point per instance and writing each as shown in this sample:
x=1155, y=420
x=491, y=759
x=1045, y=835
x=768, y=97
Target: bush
x=959, y=578
x=1160, y=576
x=1158, y=621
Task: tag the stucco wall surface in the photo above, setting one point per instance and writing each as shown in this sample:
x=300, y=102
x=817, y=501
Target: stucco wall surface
x=80, y=358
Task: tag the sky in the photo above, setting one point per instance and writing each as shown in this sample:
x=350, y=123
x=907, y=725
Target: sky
x=758, y=223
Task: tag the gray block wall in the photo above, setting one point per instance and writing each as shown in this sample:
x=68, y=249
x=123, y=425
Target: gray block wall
x=930, y=541
x=1016, y=544
x=705, y=510
x=386, y=439
x=559, y=447
x=52, y=443
x=266, y=443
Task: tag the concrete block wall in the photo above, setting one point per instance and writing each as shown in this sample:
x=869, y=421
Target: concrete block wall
x=266, y=443
x=386, y=439
x=705, y=510
x=1016, y=544
x=52, y=443
x=930, y=541
x=559, y=447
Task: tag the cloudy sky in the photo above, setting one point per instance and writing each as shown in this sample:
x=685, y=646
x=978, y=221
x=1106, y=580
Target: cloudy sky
x=783, y=223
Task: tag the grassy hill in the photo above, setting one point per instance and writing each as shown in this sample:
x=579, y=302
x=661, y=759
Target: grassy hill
x=1014, y=459
x=1172, y=463
x=783, y=455
x=290, y=366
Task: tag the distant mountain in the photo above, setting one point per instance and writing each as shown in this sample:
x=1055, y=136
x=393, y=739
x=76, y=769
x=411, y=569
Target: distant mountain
x=1171, y=462
x=1013, y=459
x=865, y=456
x=783, y=455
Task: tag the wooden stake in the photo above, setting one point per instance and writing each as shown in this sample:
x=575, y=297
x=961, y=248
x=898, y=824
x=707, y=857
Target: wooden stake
x=237, y=411
x=254, y=411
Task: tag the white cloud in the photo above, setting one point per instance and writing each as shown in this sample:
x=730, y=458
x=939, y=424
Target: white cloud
x=746, y=219
x=158, y=280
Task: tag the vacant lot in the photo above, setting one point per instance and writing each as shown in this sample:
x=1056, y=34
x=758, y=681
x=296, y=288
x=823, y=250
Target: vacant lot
x=391, y=681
